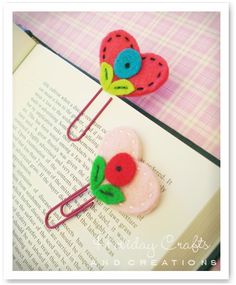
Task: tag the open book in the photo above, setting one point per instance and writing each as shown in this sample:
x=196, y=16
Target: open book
x=179, y=234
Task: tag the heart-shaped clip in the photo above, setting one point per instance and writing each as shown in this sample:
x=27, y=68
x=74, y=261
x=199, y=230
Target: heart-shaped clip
x=125, y=70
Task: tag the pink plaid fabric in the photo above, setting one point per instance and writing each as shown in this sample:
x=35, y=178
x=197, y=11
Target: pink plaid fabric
x=190, y=42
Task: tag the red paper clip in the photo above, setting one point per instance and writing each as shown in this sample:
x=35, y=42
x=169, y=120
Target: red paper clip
x=89, y=203
x=92, y=121
x=79, y=192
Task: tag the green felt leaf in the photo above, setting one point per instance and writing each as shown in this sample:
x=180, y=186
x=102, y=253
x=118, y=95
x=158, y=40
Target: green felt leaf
x=97, y=172
x=106, y=75
x=121, y=87
x=109, y=194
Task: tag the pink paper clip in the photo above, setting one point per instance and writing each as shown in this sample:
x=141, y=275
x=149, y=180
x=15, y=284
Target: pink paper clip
x=92, y=121
x=89, y=203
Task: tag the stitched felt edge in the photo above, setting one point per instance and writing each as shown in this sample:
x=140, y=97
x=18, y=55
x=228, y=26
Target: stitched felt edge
x=149, y=87
x=109, y=194
x=106, y=75
x=97, y=173
x=108, y=41
x=121, y=87
x=161, y=74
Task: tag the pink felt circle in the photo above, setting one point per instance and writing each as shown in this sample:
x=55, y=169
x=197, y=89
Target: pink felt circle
x=120, y=140
x=142, y=194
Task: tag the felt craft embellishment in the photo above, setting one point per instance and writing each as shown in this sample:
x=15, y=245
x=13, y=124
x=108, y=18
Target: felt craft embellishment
x=119, y=178
x=125, y=71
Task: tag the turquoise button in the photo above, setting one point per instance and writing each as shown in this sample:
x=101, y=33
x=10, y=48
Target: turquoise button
x=127, y=63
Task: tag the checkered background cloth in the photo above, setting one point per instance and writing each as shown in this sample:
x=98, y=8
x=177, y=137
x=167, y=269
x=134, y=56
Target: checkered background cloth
x=189, y=101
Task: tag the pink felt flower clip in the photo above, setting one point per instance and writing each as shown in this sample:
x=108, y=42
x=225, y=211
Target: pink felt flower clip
x=127, y=71
x=120, y=179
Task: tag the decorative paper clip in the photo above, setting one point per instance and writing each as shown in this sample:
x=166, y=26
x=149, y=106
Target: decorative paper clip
x=118, y=178
x=125, y=71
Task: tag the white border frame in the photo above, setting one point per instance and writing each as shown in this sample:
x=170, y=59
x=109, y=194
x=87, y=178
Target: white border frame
x=223, y=274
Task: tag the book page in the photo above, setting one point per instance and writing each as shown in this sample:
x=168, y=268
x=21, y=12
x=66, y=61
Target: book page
x=47, y=167
x=22, y=46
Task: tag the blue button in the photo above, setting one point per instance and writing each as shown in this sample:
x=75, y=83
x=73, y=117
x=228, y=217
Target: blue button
x=127, y=63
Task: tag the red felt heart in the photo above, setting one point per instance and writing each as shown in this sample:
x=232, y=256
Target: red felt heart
x=154, y=70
